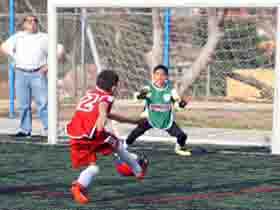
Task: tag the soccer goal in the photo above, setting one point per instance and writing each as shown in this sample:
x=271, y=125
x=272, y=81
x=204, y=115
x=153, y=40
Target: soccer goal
x=224, y=55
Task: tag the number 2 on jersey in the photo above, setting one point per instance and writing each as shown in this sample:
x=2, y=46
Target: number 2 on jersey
x=87, y=103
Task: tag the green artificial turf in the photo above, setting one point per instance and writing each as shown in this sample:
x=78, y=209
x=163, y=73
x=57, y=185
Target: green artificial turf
x=39, y=177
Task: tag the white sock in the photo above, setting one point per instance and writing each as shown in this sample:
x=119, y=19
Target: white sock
x=129, y=159
x=86, y=175
x=125, y=146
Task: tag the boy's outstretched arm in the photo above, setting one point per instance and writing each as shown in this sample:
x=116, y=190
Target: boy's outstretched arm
x=143, y=93
x=182, y=101
x=123, y=119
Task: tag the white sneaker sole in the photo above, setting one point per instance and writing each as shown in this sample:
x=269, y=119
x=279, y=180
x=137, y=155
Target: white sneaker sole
x=183, y=153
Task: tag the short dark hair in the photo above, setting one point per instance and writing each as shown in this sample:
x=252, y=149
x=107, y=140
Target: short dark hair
x=162, y=67
x=25, y=19
x=107, y=79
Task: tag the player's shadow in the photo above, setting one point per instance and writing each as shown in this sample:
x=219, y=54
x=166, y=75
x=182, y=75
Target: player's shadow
x=13, y=189
x=158, y=189
x=252, y=150
x=29, y=171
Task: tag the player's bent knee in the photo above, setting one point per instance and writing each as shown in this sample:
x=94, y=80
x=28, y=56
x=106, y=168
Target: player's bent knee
x=94, y=169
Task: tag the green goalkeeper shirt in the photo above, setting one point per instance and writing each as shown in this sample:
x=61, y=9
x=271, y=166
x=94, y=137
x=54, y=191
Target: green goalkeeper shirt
x=159, y=106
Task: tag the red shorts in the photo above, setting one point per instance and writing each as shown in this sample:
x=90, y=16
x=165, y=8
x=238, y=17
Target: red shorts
x=84, y=151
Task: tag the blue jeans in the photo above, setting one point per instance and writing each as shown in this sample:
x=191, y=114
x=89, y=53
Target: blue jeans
x=30, y=85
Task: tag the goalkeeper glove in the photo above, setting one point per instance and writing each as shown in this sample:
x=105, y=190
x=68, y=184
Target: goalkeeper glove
x=182, y=104
x=142, y=94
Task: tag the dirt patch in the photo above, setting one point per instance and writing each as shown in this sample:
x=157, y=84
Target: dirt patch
x=257, y=118
x=4, y=84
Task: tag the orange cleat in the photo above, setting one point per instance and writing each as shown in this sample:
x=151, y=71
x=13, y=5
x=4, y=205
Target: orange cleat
x=79, y=193
x=140, y=176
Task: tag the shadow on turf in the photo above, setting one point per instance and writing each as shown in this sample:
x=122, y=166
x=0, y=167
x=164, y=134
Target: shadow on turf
x=201, y=150
x=252, y=150
x=207, y=192
x=152, y=194
x=14, y=139
x=13, y=189
x=23, y=171
x=204, y=192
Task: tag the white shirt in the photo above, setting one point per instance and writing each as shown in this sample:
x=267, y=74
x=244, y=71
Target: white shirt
x=29, y=50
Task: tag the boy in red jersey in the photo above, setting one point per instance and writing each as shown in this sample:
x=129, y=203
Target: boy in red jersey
x=88, y=136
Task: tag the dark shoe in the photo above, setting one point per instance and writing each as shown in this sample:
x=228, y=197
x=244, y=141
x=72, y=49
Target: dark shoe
x=21, y=134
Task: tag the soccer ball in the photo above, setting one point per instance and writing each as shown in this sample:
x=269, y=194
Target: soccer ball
x=125, y=170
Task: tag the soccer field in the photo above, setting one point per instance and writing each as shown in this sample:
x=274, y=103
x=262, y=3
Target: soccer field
x=39, y=177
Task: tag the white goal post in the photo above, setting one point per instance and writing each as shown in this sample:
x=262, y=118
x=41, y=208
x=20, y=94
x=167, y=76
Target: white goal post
x=53, y=5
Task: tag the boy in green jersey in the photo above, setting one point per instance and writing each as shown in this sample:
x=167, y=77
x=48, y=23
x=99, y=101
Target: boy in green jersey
x=159, y=97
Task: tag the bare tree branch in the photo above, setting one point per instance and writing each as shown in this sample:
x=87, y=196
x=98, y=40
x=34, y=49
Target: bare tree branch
x=154, y=57
x=265, y=90
x=29, y=5
x=4, y=6
x=214, y=35
x=267, y=23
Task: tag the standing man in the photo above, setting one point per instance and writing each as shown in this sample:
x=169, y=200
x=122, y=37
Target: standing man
x=29, y=50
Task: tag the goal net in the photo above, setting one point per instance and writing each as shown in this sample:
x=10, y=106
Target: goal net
x=223, y=57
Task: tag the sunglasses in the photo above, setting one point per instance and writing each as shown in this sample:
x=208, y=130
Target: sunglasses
x=29, y=20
